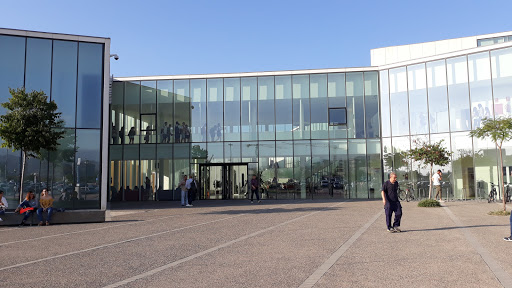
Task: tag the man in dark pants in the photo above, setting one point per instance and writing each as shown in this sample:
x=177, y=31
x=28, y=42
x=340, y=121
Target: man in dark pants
x=255, y=184
x=391, y=203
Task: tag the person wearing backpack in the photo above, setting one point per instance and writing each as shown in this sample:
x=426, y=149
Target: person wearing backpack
x=192, y=189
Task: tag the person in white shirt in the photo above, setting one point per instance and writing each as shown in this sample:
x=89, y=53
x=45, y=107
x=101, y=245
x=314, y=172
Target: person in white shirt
x=184, y=192
x=3, y=204
x=191, y=187
x=437, y=184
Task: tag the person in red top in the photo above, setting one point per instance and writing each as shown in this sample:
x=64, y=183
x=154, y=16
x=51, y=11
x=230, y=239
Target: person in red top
x=255, y=184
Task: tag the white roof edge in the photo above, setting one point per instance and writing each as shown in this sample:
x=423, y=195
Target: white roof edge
x=478, y=37
x=447, y=55
x=57, y=36
x=247, y=74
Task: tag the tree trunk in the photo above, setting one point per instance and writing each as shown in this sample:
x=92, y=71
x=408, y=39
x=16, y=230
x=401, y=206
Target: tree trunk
x=502, y=180
x=430, y=181
x=22, y=173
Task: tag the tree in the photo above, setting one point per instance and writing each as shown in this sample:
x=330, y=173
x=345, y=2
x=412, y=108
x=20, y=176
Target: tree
x=30, y=125
x=430, y=155
x=499, y=130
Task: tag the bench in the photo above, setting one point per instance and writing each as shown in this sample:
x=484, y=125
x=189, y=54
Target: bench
x=67, y=217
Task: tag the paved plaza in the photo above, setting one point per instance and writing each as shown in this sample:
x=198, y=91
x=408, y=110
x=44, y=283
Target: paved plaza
x=304, y=243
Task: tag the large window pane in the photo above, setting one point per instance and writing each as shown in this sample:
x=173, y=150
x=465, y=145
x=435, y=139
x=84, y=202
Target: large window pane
x=266, y=119
x=417, y=84
x=267, y=152
x=486, y=166
x=198, y=112
x=320, y=168
x=130, y=131
x=181, y=108
x=401, y=166
x=501, y=61
x=437, y=99
x=61, y=178
x=148, y=97
x=249, y=109
x=285, y=178
x=165, y=182
x=90, y=85
x=232, y=109
x=39, y=65
x=64, y=73
x=301, y=111
x=358, y=174
x=215, y=111
x=338, y=160
x=462, y=163
x=371, y=99
x=398, y=101
x=148, y=172
x=232, y=152
x=480, y=89
x=283, y=108
x=384, y=104
x=319, y=115
x=165, y=100
x=355, y=105
x=337, y=99
x=374, y=168
x=116, y=111
x=88, y=168
x=12, y=65
x=447, y=187
x=302, y=168
x=458, y=93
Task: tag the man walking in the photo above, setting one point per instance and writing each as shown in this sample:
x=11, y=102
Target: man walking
x=436, y=179
x=191, y=186
x=509, y=238
x=255, y=184
x=391, y=203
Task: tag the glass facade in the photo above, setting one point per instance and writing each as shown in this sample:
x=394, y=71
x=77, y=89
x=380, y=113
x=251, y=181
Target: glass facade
x=70, y=73
x=227, y=129
x=456, y=93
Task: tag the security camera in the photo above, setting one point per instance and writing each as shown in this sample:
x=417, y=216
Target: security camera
x=116, y=57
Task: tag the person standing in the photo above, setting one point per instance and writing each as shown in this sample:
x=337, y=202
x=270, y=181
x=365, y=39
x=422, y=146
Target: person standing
x=436, y=179
x=131, y=135
x=509, y=238
x=184, y=192
x=191, y=186
x=177, y=132
x=392, y=203
x=3, y=204
x=254, y=188
x=46, y=203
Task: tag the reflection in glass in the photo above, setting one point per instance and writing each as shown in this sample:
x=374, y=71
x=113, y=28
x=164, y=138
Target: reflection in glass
x=387, y=157
x=266, y=119
x=148, y=172
x=318, y=98
x=320, y=168
x=358, y=174
x=283, y=107
x=447, y=187
x=374, y=168
x=61, y=170
x=398, y=101
x=371, y=100
x=181, y=108
x=215, y=121
x=64, y=73
x=165, y=182
x=355, y=105
x=165, y=100
x=401, y=165
x=116, y=111
x=129, y=133
x=301, y=112
x=285, y=178
x=90, y=85
x=480, y=87
x=215, y=152
x=232, y=109
x=338, y=161
x=267, y=152
x=417, y=84
x=12, y=65
x=501, y=61
x=148, y=97
x=198, y=113
x=181, y=159
x=249, y=110
x=249, y=151
x=462, y=163
x=486, y=166
x=337, y=98
x=458, y=93
x=232, y=152
x=39, y=65
x=437, y=98
x=88, y=168
x=302, y=168
x=384, y=102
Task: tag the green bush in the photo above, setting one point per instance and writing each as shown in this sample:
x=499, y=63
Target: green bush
x=499, y=213
x=429, y=203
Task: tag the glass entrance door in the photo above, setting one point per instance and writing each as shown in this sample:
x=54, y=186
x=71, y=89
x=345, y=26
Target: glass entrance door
x=223, y=181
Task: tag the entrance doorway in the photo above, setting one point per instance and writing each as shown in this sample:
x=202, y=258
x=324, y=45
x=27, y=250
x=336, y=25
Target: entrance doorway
x=223, y=181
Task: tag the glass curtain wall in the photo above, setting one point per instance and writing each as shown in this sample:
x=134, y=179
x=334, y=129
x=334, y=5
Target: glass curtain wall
x=371, y=102
x=319, y=103
x=283, y=107
x=232, y=109
x=337, y=99
x=355, y=105
x=266, y=113
x=398, y=101
x=301, y=107
x=501, y=61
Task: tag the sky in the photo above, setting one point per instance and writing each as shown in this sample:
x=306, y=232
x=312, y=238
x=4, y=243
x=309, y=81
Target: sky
x=197, y=37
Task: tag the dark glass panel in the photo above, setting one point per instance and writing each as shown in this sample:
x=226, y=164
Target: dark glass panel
x=64, y=78
x=90, y=88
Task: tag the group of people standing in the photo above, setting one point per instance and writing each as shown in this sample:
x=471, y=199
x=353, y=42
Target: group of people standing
x=181, y=134
x=188, y=187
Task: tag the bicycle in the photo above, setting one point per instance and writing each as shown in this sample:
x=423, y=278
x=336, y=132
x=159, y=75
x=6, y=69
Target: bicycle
x=492, y=193
x=407, y=194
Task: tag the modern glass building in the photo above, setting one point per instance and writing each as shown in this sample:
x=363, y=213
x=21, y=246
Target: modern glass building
x=298, y=131
x=73, y=72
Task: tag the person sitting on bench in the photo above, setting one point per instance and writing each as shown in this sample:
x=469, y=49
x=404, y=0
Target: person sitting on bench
x=46, y=205
x=3, y=204
x=29, y=202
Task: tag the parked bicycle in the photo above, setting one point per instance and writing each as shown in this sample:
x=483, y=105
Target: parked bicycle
x=407, y=194
x=492, y=193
